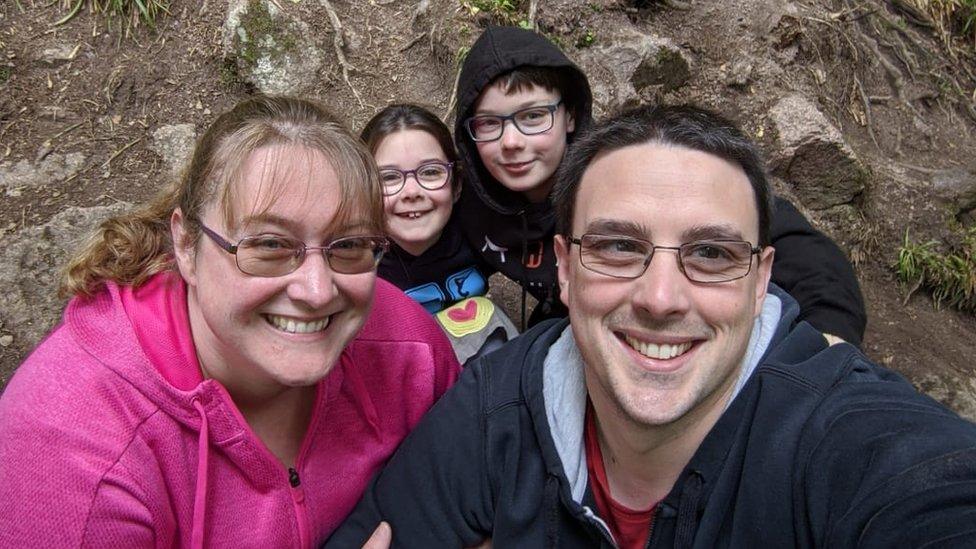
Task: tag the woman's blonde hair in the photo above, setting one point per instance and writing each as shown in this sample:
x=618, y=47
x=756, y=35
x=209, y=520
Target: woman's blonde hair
x=130, y=248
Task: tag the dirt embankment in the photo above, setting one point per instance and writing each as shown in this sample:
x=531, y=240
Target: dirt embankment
x=866, y=116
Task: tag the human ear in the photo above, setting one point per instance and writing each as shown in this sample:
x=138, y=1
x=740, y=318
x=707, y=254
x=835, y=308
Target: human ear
x=561, y=247
x=764, y=270
x=570, y=122
x=184, y=246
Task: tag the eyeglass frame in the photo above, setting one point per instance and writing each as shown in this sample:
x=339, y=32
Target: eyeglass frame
x=405, y=173
x=511, y=117
x=753, y=250
x=232, y=249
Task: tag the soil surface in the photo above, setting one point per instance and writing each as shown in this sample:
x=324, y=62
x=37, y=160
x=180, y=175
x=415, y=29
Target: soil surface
x=902, y=99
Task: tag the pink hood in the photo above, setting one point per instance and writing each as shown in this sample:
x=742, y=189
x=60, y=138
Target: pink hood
x=100, y=447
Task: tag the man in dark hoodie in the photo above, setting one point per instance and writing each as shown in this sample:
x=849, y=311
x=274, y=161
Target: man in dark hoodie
x=682, y=404
x=520, y=104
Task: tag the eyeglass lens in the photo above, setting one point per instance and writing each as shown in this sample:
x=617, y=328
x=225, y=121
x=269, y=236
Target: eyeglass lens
x=277, y=256
x=701, y=261
x=530, y=121
x=430, y=176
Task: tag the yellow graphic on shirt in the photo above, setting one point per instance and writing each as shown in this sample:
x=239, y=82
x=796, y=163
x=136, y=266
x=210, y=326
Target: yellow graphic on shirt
x=466, y=317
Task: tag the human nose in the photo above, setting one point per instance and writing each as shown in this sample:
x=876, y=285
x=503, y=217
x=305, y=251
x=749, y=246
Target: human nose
x=313, y=283
x=512, y=137
x=662, y=291
x=411, y=185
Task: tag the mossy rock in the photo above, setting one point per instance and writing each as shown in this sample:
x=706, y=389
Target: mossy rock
x=270, y=49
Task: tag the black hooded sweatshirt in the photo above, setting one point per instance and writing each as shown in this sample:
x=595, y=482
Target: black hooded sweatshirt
x=511, y=234
x=515, y=237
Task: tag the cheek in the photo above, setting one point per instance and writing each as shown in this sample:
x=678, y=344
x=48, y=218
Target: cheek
x=389, y=202
x=358, y=289
x=443, y=199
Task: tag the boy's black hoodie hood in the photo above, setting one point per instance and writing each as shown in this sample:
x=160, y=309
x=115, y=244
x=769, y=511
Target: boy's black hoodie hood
x=498, y=51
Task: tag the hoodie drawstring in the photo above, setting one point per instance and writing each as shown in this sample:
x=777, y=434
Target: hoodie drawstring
x=200, y=495
x=688, y=511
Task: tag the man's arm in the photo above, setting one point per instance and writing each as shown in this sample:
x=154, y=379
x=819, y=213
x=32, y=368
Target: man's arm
x=812, y=269
x=434, y=492
x=890, y=468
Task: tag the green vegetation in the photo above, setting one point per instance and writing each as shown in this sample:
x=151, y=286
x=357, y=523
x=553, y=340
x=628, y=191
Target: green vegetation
x=949, y=275
x=955, y=18
x=4, y=74
x=586, y=39
x=130, y=13
x=504, y=12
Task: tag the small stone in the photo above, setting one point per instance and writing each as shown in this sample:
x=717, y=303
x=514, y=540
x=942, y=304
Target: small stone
x=6, y=340
x=58, y=55
x=175, y=144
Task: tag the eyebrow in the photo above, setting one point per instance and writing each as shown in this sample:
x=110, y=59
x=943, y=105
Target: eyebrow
x=520, y=106
x=616, y=227
x=720, y=231
x=291, y=226
x=420, y=163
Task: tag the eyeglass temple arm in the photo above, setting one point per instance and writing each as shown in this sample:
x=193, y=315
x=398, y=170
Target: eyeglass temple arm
x=219, y=239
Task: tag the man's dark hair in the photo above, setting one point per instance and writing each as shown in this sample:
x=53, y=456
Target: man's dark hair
x=684, y=126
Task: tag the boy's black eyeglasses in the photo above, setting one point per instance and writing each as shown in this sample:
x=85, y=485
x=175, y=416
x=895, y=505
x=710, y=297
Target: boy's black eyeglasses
x=703, y=261
x=429, y=175
x=273, y=255
x=529, y=121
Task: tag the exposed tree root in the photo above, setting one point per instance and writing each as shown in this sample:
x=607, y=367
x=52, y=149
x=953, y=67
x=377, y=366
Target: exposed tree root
x=338, y=43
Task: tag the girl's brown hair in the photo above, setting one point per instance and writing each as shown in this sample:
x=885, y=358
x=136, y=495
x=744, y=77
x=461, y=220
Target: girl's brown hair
x=130, y=248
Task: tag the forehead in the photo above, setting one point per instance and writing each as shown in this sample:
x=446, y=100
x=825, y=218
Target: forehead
x=669, y=192
x=293, y=185
x=408, y=147
x=497, y=99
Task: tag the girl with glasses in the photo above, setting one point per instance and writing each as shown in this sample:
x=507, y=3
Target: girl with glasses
x=428, y=258
x=229, y=370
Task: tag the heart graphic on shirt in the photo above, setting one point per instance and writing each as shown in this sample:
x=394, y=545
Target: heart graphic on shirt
x=469, y=311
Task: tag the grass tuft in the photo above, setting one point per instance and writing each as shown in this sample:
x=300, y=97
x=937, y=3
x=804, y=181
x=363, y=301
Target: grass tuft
x=949, y=275
x=954, y=18
x=129, y=13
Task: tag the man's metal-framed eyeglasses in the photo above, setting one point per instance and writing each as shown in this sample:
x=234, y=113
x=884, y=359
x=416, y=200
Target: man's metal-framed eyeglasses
x=529, y=121
x=701, y=261
x=429, y=175
x=272, y=255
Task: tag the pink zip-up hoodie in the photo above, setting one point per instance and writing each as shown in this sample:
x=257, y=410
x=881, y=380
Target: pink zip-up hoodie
x=109, y=436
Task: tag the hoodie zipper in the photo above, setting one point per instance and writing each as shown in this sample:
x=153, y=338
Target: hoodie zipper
x=298, y=502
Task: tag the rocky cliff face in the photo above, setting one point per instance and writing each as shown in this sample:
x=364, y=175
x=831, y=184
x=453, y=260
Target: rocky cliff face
x=865, y=114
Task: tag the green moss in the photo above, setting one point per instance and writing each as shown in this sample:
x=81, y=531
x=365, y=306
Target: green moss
x=4, y=74
x=949, y=274
x=265, y=37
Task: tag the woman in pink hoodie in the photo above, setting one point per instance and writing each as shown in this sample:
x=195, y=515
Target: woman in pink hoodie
x=229, y=371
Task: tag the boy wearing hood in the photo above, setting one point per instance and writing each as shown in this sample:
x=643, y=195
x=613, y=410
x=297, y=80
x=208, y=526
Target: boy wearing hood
x=520, y=104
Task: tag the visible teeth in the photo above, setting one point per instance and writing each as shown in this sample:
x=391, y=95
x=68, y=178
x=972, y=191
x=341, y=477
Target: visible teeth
x=663, y=351
x=412, y=215
x=293, y=326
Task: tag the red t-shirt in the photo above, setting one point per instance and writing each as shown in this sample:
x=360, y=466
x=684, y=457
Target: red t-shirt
x=630, y=528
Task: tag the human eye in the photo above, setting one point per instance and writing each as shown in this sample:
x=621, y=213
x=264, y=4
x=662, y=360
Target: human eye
x=390, y=177
x=486, y=123
x=535, y=116
x=710, y=257
x=432, y=172
x=268, y=247
x=620, y=248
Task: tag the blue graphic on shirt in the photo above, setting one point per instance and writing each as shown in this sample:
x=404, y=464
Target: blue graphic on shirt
x=458, y=286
